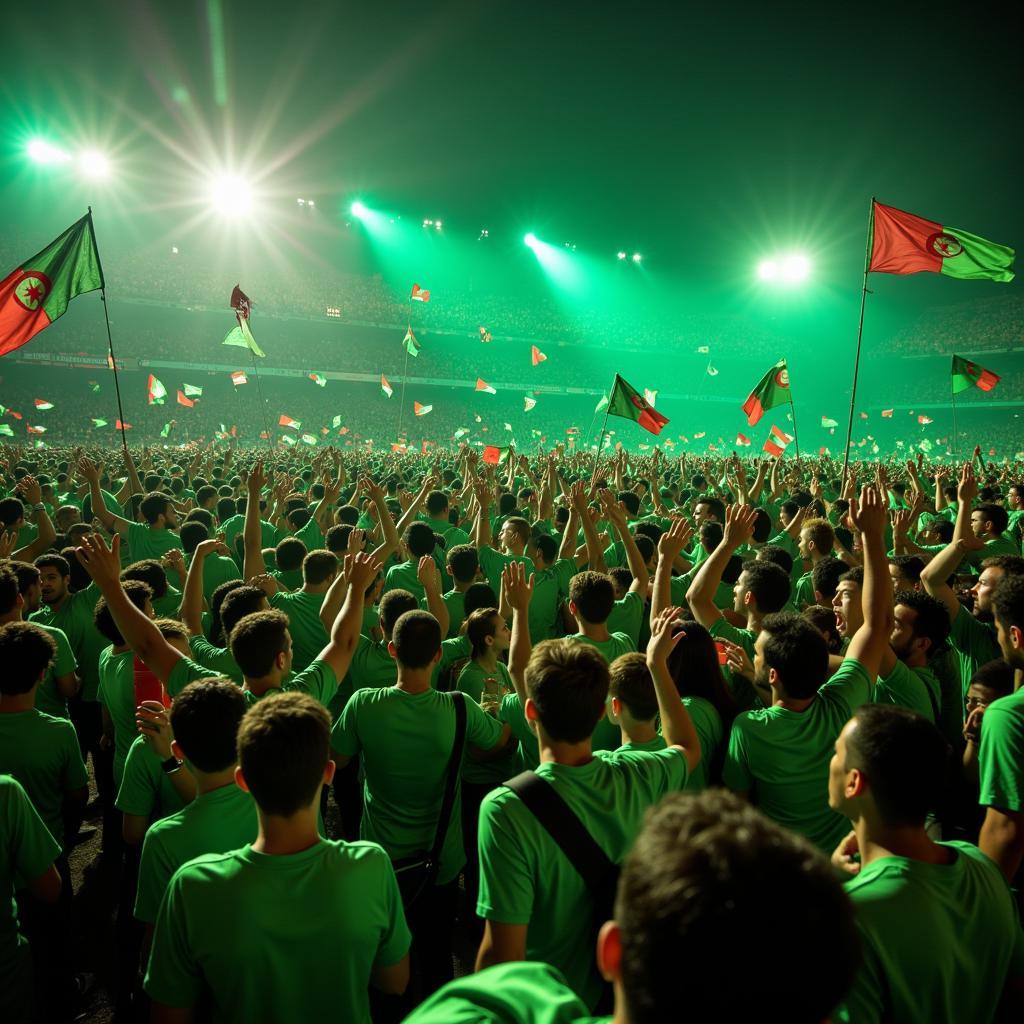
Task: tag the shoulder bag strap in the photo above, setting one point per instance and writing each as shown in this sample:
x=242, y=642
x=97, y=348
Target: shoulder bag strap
x=452, y=776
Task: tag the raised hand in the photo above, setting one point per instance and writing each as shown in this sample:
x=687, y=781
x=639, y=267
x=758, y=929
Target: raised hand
x=427, y=573
x=675, y=540
x=29, y=490
x=662, y=642
x=967, y=490
x=361, y=570
x=518, y=588
x=103, y=564
x=739, y=525
x=867, y=515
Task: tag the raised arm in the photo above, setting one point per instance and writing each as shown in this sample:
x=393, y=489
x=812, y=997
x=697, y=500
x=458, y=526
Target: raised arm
x=519, y=592
x=391, y=541
x=430, y=579
x=358, y=570
x=617, y=517
x=669, y=545
x=192, y=596
x=113, y=523
x=739, y=528
x=252, y=532
x=676, y=724
x=30, y=492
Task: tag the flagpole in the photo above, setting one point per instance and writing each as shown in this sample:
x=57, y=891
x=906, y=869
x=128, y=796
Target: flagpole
x=860, y=335
x=796, y=435
x=956, y=435
x=263, y=404
x=110, y=340
x=401, y=407
x=604, y=430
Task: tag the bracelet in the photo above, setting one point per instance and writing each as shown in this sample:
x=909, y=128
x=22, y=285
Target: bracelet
x=38, y=507
x=170, y=766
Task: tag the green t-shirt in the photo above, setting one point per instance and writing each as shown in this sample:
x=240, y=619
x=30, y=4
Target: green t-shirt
x=278, y=938
x=406, y=740
x=317, y=681
x=781, y=757
x=514, y=993
x=26, y=851
x=550, y=589
x=311, y=535
x=117, y=695
x=403, y=577
x=628, y=617
x=218, y=659
x=290, y=579
x=455, y=602
x=679, y=585
x=528, y=752
x=185, y=671
x=49, y=699
x=168, y=605
x=711, y=733
x=42, y=753
x=218, y=569
x=607, y=736
x=215, y=822
x=657, y=743
x=145, y=542
x=1003, y=545
x=471, y=682
x=744, y=695
x=309, y=637
x=371, y=666
x=940, y=941
x=975, y=644
x=525, y=878
x=75, y=618
x=493, y=562
x=146, y=790
x=1001, y=754
x=803, y=595
x=917, y=689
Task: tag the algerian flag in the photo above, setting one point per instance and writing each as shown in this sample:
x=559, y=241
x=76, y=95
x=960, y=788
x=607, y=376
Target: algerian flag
x=482, y=385
x=156, y=392
x=385, y=386
x=318, y=379
x=421, y=410
x=309, y=439
x=238, y=378
x=651, y=397
x=37, y=430
x=99, y=423
x=601, y=403
x=287, y=421
x=412, y=346
x=336, y=422
x=528, y=403
x=191, y=391
x=241, y=337
x=41, y=403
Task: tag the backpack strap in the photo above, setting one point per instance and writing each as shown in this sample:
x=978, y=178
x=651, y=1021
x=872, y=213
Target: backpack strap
x=565, y=828
x=451, y=778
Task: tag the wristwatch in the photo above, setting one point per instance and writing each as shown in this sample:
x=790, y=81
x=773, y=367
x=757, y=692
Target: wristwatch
x=38, y=507
x=171, y=765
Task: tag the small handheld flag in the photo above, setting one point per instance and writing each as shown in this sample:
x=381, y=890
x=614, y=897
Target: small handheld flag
x=627, y=402
x=777, y=442
x=238, y=378
x=287, y=421
x=385, y=386
x=968, y=375
x=528, y=403
x=482, y=385
x=42, y=404
x=318, y=379
x=421, y=410
x=771, y=390
x=412, y=346
x=156, y=393
x=536, y=356
x=184, y=400
x=419, y=294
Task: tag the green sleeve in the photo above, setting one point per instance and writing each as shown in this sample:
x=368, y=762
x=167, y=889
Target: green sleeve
x=139, y=788
x=969, y=636
x=396, y=939
x=29, y=845
x=75, y=774
x=64, y=660
x=1001, y=755
x=216, y=659
x=482, y=730
x=318, y=681
x=345, y=734
x=736, y=770
x=506, y=878
x=152, y=879
x=723, y=629
x=185, y=671
x=173, y=978
x=850, y=686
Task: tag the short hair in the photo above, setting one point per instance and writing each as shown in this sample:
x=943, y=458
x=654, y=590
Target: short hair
x=27, y=574
x=630, y=680
x=417, y=639
x=630, y=502
x=319, y=566
x=547, y=546
x=289, y=554
x=239, y=602
x=393, y=605
x=257, y=640
x=910, y=566
x=621, y=577
x=205, y=493
x=520, y=526
x=593, y=595
x=710, y=535
x=478, y=595
x=138, y=593
x=172, y=629
x=994, y=514
x=205, y=717
x=997, y=675
x=824, y=620
x=150, y=571
x=716, y=505
x=820, y=533
x=9, y=589
x=826, y=574
x=1008, y=601
x=904, y=758
x=347, y=515
x=52, y=560
x=568, y=682
x=27, y=651
x=437, y=503
x=480, y=625
x=931, y=620
x=336, y=538
x=506, y=503
x=762, y=526
x=419, y=539
x=1012, y=565
x=217, y=633
x=283, y=747
x=707, y=871
x=154, y=505
x=776, y=555
x=192, y=534
x=11, y=510
x=644, y=545
x=225, y=508
x=944, y=528
x=797, y=652
x=733, y=569
x=855, y=574
x=768, y=583
x=463, y=561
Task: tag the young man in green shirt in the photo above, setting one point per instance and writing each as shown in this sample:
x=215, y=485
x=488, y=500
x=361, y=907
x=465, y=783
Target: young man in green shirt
x=817, y=539
x=462, y=564
x=291, y=925
x=663, y=952
x=633, y=703
x=512, y=540
x=940, y=934
x=778, y=756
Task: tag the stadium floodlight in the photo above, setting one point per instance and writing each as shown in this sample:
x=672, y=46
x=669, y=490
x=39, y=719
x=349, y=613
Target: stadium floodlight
x=42, y=152
x=231, y=195
x=93, y=164
x=787, y=269
x=358, y=209
x=768, y=270
x=530, y=239
x=620, y=255
x=637, y=257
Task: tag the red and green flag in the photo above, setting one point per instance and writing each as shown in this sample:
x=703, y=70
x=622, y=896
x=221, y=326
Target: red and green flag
x=968, y=375
x=156, y=393
x=771, y=390
x=903, y=243
x=493, y=455
x=410, y=343
x=778, y=441
x=627, y=402
x=38, y=292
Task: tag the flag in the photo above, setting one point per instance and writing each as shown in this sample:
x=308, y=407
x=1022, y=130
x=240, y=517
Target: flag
x=903, y=243
x=98, y=422
x=308, y=439
x=412, y=346
x=494, y=455
x=385, y=386
x=421, y=410
x=771, y=390
x=118, y=425
x=38, y=292
x=824, y=451
x=238, y=378
x=287, y=439
x=318, y=379
x=627, y=402
x=241, y=336
x=6, y=430
x=536, y=356
x=185, y=401
x=650, y=397
x=41, y=403
x=777, y=442
x=191, y=391
x=712, y=372
x=485, y=335
x=703, y=350
x=967, y=375
x=887, y=414
x=508, y=427
x=826, y=422
x=155, y=391
x=528, y=403
x=482, y=385
x=336, y=422
x=419, y=295
x=168, y=427
x=400, y=448
x=743, y=441
x=287, y=421
x=343, y=431
x=601, y=403
x=924, y=420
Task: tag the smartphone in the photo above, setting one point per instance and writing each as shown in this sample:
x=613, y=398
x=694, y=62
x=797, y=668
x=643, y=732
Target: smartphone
x=723, y=654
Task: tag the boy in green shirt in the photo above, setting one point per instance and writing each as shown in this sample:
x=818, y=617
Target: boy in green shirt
x=291, y=925
x=633, y=704
x=965, y=948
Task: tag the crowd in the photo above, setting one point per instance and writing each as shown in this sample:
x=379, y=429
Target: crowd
x=452, y=737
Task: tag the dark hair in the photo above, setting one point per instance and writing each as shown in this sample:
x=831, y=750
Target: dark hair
x=53, y=561
x=27, y=575
x=336, y=538
x=154, y=505
x=192, y=534
x=768, y=584
x=716, y=505
x=347, y=515
x=239, y=602
x=710, y=535
x=478, y=595
x=205, y=718
x=709, y=871
x=824, y=621
x=9, y=589
x=172, y=629
x=797, y=652
x=463, y=561
x=393, y=605
x=910, y=566
x=997, y=675
x=289, y=554
x=630, y=681
x=218, y=636
x=225, y=509
x=283, y=747
x=138, y=593
x=11, y=510
x=417, y=639
x=696, y=672
x=931, y=620
x=904, y=758
x=27, y=651
x=319, y=566
x=568, y=682
x=1008, y=601
x=1012, y=565
x=762, y=526
x=419, y=539
x=994, y=514
x=776, y=555
x=204, y=494
x=257, y=640
x=150, y=571
x=733, y=569
x=826, y=576
x=630, y=502
x=593, y=595
x=437, y=504
x=547, y=547
x=480, y=625
x=853, y=575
